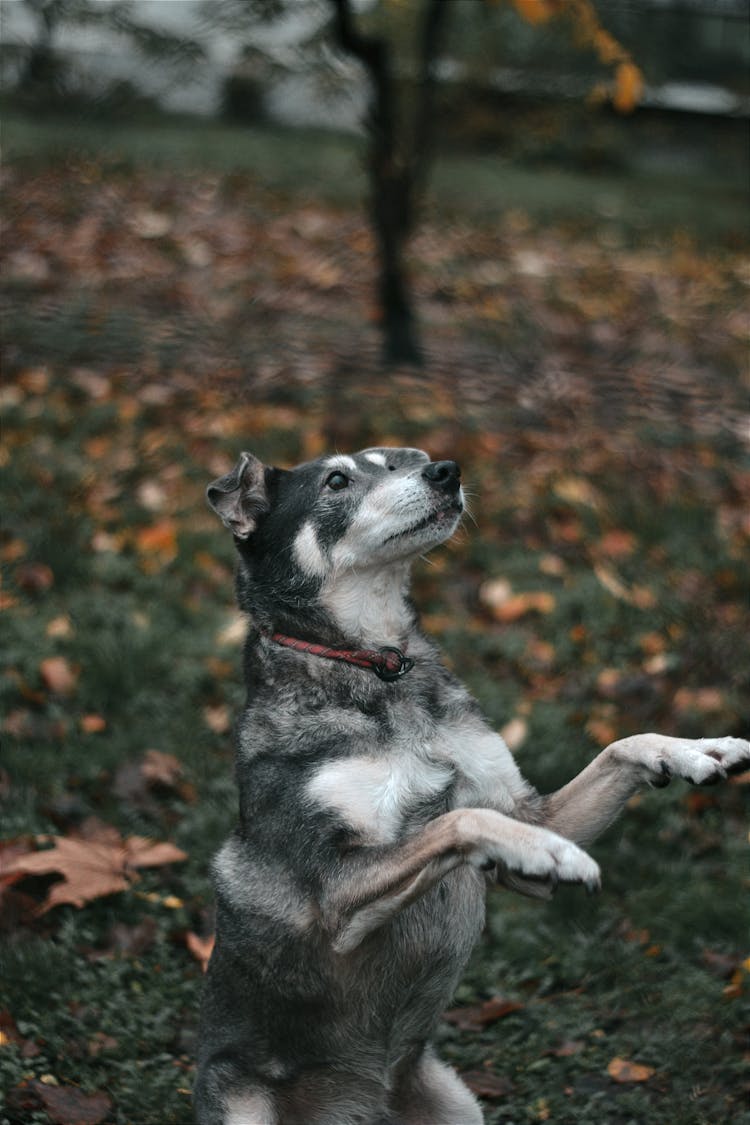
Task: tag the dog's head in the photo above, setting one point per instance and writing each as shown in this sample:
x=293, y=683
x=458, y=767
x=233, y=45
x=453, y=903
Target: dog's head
x=301, y=531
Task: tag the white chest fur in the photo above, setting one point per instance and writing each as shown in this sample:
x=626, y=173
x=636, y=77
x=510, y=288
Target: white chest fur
x=487, y=774
x=374, y=793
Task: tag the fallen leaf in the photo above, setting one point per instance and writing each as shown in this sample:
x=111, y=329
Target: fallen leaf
x=515, y=732
x=477, y=1016
x=59, y=627
x=99, y=1042
x=58, y=675
x=567, y=1048
x=35, y=577
x=93, y=724
x=623, y=1070
x=201, y=948
x=486, y=1085
x=89, y=868
x=159, y=540
x=702, y=699
x=495, y=592
x=234, y=632
x=217, y=718
x=67, y=1105
x=132, y=940
x=735, y=988
x=535, y=601
x=162, y=769
x=616, y=544
x=577, y=490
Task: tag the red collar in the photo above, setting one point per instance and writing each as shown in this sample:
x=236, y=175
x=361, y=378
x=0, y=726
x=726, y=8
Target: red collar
x=387, y=663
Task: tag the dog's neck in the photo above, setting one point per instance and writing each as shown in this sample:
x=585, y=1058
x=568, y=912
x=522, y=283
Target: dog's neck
x=369, y=606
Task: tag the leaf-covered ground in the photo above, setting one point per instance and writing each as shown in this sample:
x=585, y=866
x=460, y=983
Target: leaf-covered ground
x=591, y=379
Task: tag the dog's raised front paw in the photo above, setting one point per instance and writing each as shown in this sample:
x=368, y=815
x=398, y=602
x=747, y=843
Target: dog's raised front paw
x=536, y=853
x=702, y=761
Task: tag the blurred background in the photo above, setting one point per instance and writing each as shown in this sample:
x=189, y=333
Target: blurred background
x=511, y=232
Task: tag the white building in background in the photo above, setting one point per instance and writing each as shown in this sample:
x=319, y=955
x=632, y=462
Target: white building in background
x=297, y=98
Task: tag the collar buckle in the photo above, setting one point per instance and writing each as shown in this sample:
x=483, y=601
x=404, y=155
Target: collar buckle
x=389, y=671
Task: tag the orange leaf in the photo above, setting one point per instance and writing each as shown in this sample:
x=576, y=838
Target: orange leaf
x=93, y=724
x=628, y=87
x=201, y=948
x=159, y=540
x=533, y=11
x=58, y=675
x=623, y=1070
x=521, y=604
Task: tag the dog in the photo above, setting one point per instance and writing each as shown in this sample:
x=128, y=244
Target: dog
x=375, y=805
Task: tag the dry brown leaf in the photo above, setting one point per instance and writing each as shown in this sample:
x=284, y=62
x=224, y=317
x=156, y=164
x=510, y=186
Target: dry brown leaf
x=60, y=627
x=93, y=724
x=157, y=543
x=616, y=544
x=623, y=1070
x=487, y=1085
x=35, y=577
x=67, y=1105
x=477, y=1016
x=515, y=732
x=535, y=601
x=217, y=718
x=58, y=675
x=201, y=948
x=90, y=868
x=159, y=768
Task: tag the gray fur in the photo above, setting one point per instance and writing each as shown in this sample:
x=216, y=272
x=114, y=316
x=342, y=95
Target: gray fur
x=372, y=814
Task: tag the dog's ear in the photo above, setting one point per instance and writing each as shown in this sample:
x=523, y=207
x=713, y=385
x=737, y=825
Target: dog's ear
x=240, y=498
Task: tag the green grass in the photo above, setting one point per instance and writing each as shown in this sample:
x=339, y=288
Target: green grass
x=651, y=970
x=710, y=199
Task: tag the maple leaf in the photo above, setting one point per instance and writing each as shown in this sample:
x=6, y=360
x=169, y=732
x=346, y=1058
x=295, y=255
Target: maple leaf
x=90, y=868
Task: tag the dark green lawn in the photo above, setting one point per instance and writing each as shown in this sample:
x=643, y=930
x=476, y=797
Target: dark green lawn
x=593, y=395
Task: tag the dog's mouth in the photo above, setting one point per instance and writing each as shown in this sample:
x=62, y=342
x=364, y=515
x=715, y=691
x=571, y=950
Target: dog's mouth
x=436, y=517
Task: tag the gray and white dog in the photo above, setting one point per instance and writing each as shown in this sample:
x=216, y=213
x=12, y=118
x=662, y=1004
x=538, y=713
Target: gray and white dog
x=375, y=806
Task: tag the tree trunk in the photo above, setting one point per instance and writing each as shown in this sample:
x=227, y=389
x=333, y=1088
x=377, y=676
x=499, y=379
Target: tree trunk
x=396, y=171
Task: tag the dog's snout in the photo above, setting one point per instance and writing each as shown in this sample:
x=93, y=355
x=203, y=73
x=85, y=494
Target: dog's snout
x=443, y=474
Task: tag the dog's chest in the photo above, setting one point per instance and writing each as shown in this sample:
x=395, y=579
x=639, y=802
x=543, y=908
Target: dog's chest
x=381, y=794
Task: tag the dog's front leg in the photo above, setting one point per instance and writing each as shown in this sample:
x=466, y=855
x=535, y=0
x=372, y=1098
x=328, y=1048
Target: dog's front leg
x=373, y=883
x=586, y=805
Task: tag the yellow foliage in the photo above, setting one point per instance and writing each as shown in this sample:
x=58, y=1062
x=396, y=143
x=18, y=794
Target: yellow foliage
x=534, y=11
x=628, y=87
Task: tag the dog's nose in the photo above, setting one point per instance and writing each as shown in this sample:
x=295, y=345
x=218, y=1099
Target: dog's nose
x=443, y=474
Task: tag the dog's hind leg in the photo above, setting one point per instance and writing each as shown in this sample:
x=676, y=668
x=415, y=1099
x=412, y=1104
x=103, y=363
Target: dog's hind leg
x=586, y=805
x=431, y=1093
x=217, y=1101
x=251, y=1107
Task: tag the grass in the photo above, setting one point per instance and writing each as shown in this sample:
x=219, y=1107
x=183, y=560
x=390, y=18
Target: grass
x=120, y=403
x=331, y=166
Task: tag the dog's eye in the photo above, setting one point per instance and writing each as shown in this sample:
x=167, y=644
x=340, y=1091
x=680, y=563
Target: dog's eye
x=337, y=481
